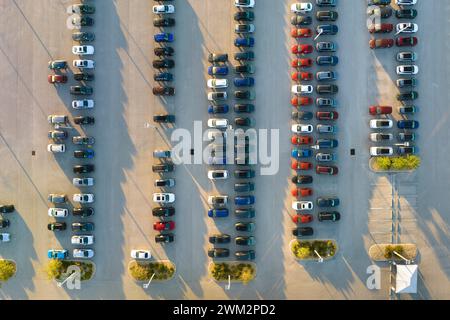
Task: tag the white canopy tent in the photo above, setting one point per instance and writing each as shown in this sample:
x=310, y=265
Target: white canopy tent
x=406, y=278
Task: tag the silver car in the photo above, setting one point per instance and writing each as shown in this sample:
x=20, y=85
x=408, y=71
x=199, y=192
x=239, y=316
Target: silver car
x=57, y=198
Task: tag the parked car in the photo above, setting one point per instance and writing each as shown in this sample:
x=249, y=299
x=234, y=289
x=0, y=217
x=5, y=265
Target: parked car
x=217, y=57
x=377, y=110
x=163, y=91
x=406, y=136
x=245, y=241
x=327, y=15
x=163, y=9
x=163, y=197
x=56, y=78
x=85, y=168
x=405, y=150
x=83, y=76
x=163, y=212
x=244, y=187
x=302, y=7
x=83, y=36
x=84, y=120
x=220, y=238
x=58, y=212
x=326, y=76
x=406, y=13
x=382, y=12
x=327, y=115
x=381, y=43
x=244, y=200
x=81, y=90
x=56, y=226
x=303, y=232
x=163, y=22
x=244, y=122
x=406, y=41
x=326, y=143
x=302, y=205
x=327, y=60
x=83, y=226
x=83, y=198
x=163, y=76
x=215, y=70
x=164, y=118
x=302, y=63
x=244, y=16
x=244, y=28
x=327, y=89
x=83, y=212
x=381, y=28
x=163, y=64
x=381, y=123
x=57, y=198
x=163, y=37
x=82, y=21
x=326, y=3
x=326, y=128
x=247, y=213
x=327, y=170
x=244, y=42
x=407, y=124
x=218, y=201
x=299, y=101
x=302, y=218
x=217, y=174
x=302, y=192
x=83, y=253
x=301, y=32
x=163, y=225
x=407, y=27
x=301, y=76
x=326, y=103
x=57, y=135
x=301, y=20
x=57, y=254
x=83, y=140
x=406, y=83
x=300, y=140
x=326, y=46
x=163, y=167
x=302, y=89
x=83, y=64
x=244, y=174
x=83, y=50
x=218, y=253
x=83, y=240
x=407, y=96
x=218, y=109
x=302, y=128
x=301, y=153
x=57, y=64
x=406, y=56
x=407, y=69
x=83, y=182
x=329, y=216
x=244, y=3
x=405, y=2
x=323, y=202
x=56, y=148
x=378, y=137
x=83, y=104
x=164, y=238
x=164, y=183
x=301, y=115
x=244, y=68
x=245, y=255
x=302, y=179
x=244, y=56
x=244, y=226
x=325, y=157
x=327, y=29
x=244, y=95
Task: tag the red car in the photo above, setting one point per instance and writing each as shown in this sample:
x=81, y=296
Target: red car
x=330, y=170
x=298, y=140
x=301, y=101
x=300, y=165
x=381, y=43
x=57, y=78
x=302, y=63
x=376, y=110
x=381, y=28
x=301, y=33
x=164, y=225
x=406, y=41
x=327, y=115
x=302, y=192
x=302, y=76
x=302, y=218
x=302, y=49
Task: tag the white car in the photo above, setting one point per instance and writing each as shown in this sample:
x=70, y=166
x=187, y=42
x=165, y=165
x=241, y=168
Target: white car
x=58, y=212
x=83, y=182
x=141, y=254
x=5, y=237
x=302, y=205
x=217, y=83
x=407, y=69
x=217, y=174
x=83, y=50
x=83, y=253
x=163, y=197
x=83, y=104
x=377, y=137
x=84, y=240
x=218, y=123
x=302, y=89
x=405, y=2
x=56, y=148
x=381, y=124
x=83, y=64
x=381, y=151
x=244, y=3
x=303, y=7
x=163, y=9
x=83, y=197
x=407, y=27
x=302, y=128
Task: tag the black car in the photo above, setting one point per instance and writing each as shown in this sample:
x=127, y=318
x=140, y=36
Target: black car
x=244, y=187
x=165, y=238
x=327, y=60
x=164, y=51
x=163, y=211
x=327, y=202
x=327, y=89
x=163, y=167
x=83, y=226
x=218, y=253
x=301, y=115
x=244, y=226
x=244, y=16
x=219, y=238
x=83, y=21
x=164, y=63
x=84, y=120
x=244, y=122
x=326, y=3
x=162, y=183
x=57, y=226
x=302, y=179
x=7, y=208
x=85, y=168
x=163, y=22
x=245, y=241
x=163, y=76
x=83, y=212
x=82, y=76
x=301, y=20
x=244, y=68
x=245, y=255
x=244, y=95
x=83, y=36
x=327, y=15
x=166, y=118
x=303, y=231
x=217, y=57
x=163, y=91
x=83, y=154
x=244, y=174
x=247, y=213
x=244, y=56
x=406, y=13
x=406, y=96
x=329, y=216
x=244, y=108
x=4, y=223
x=81, y=90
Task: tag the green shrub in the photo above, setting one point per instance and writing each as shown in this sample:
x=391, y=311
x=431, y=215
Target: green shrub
x=244, y=272
x=7, y=270
x=56, y=268
x=410, y=162
x=305, y=249
x=144, y=271
x=389, y=251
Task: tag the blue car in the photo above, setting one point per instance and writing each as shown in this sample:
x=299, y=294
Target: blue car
x=327, y=143
x=220, y=71
x=217, y=109
x=244, y=82
x=301, y=153
x=163, y=76
x=407, y=124
x=58, y=254
x=244, y=42
x=164, y=37
x=244, y=200
x=218, y=213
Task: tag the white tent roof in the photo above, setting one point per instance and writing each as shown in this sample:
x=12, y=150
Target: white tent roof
x=406, y=278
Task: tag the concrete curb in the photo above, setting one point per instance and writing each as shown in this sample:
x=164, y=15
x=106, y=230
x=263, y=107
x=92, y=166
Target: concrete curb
x=231, y=262
x=148, y=262
x=372, y=161
x=313, y=259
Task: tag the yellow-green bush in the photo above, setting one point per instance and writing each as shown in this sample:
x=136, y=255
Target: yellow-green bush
x=7, y=270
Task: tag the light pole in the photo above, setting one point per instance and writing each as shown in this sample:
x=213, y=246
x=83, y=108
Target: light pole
x=228, y=286
x=146, y=285
x=402, y=257
x=318, y=35
x=320, y=258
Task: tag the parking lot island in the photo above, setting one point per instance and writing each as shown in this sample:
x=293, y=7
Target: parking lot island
x=233, y=271
x=163, y=270
x=308, y=249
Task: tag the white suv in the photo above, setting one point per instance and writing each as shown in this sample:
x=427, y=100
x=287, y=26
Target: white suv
x=58, y=212
x=84, y=64
x=82, y=240
x=163, y=197
x=83, y=50
x=56, y=148
x=83, y=197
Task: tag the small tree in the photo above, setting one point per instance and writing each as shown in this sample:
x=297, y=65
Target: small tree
x=7, y=270
x=54, y=269
x=413, y=161
x=246, y=275
x=384, y=163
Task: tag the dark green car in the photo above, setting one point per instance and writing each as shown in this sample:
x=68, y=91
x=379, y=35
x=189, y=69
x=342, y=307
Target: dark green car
x=81, y=90
x=82, y=9
x=57, y=64
x=83, y=226
x=83, y=36
x=7, y=208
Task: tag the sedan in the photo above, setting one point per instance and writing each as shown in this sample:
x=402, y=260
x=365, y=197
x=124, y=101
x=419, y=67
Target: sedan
x=56, y=226
x=164, y=238
x=381, y=43
x=83, y=197
x=302, y=179
x=302, y=218
x=407, y=124
x=302, y=63
x=163, y=64
x=85, y=168
x=301, y=101
x=83, y=64
x=81, y=90
x=218, y=109
x=217, y=71
x=381, y=151
x=244, y=3
x=218, y=253
x=407, y=69
x=301, y=115
x=325, y=157
x=405, y=2
x=141, y=254
x=83, y=50
x=327, y=202
x=301, y=153
x=163, y=91
x=57, y=78
x=83, y=226
x=83, y=104
x=83, y=253
x=83, y=182
x=219, y=238
x=217, y=83
x=327, y=29
x=327, y=170
x=301, y=192
x=57, y=212
x=83, y=212
x=326, y=128
x=245, y=226
x=244, y=82
x=302, y=49
x=217, y=174
x=405, y=150
x=57, y=64
x=244, y=28
x=378, y=137
x=327, y=60
x=300, y=140
x=326, y=76
x=301, y=76
x=326, y=46
x=303, y=232
x=301, y=20
x=7, y=208
x=245, y=255
x=57, y=198
x=406, y=13
x=406, y=83
x=164, y=225
x=56, y=148
x=327, y=89
x=163, y=37
x=407, y=96
x=329, y=216
x=217, y=57
x=163, y=198
x=302, y=7
x=327, y=15
x=83, y=140
x=163, y=9
x=244, y=42
x=244, y=200
x=302, y=128
x=301, y=33
x=407, y=27
x=381, y=123
x=163, y=22
x=327, y=115
x=377, y=110
x=302, y=205
x=163, y=212
x=84, y=240
x=326, y=103
x=82, y=21
x=245, y=241
x=83, y=36
x=407, y=109
x=302, y=89
x=301, y=165
x=406, y=41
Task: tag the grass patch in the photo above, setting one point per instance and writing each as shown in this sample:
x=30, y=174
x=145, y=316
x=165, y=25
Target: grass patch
x=409, y=162
x=143, y=271
x=304, y=249
x=56, y=269
x=243, y=272
x=7, y=270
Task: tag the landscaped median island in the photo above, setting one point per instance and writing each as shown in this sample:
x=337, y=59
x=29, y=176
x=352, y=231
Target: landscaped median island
x=385, y=251
x=7, y=270
x=386, y=164
x=233, y=271
x=304, y=249
x=143, y=271
x=56, y=269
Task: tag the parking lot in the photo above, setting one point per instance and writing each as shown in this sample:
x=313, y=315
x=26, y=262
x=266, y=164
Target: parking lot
x=126, y=136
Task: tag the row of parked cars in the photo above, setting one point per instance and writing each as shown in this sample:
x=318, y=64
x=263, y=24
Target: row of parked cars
x=4, y=222
x=302, y=153
x=244, y=95
x=82, y=236
x=406, y=83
